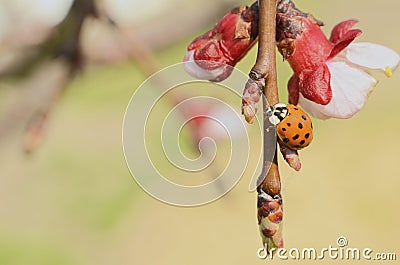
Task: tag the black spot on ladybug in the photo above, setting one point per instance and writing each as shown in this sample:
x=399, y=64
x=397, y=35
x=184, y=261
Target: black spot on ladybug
x=307, y=135
x=296, y=137
x=297, y=146
x=300, y=125
x=296, y=109
x=304, y=117
x=285, y=140
x=289, y=124
x=284, y=129
x=302, y=142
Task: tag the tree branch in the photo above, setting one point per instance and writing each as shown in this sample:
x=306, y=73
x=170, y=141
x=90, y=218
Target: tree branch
x=266, y=67
x=269, y=204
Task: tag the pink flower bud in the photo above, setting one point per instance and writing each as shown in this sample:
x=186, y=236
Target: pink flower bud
x=251, y=97
x=212, y=55
x=291, y=157
x=270, y=216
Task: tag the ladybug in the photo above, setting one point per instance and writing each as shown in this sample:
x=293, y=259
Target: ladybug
x=293, y=126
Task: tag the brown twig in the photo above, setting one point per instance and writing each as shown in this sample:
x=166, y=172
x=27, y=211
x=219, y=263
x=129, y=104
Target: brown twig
x=266, y=67
x=269, y=198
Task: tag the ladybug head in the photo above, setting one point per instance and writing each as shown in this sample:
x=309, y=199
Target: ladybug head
x=277, y=113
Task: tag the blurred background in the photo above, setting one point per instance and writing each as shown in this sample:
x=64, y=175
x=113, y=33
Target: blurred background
x=67, y=72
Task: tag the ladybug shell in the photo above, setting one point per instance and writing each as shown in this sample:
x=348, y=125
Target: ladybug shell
x=295, y=130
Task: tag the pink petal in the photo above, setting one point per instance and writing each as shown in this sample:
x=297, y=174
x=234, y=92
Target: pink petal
x=315, y=85
x=373, y=56
x=350, y=90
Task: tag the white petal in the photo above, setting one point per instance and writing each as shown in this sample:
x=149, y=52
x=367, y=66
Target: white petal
x=373, y=56
x=192, y=68
x=316, y=110
x=350, y=90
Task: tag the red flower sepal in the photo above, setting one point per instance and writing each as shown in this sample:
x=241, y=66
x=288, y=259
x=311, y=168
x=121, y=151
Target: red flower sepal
x=311, y=51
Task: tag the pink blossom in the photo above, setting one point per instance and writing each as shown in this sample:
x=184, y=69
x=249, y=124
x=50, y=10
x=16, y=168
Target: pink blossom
x=330, y=76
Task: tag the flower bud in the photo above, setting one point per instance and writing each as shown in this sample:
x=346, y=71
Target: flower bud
x=251, y=97
x=213, y=55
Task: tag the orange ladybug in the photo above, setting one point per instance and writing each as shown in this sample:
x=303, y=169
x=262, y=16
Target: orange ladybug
x=293, y=126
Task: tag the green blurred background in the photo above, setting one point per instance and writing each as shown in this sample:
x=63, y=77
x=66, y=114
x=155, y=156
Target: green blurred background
x=73, y=200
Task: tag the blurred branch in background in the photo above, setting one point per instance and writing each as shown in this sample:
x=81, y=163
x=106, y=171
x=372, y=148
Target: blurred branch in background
x=45, y=54
x=48, y=70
